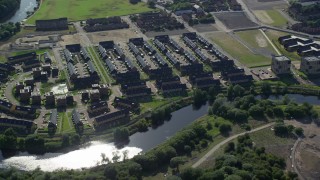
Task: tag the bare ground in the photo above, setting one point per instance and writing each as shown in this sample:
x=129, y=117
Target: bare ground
x=235, y=20
x=308, y=152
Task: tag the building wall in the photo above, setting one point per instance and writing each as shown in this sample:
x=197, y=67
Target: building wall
x=310, y=67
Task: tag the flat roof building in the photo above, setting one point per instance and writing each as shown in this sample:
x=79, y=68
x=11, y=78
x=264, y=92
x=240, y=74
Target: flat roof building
x=310, y=65
x=281, y=65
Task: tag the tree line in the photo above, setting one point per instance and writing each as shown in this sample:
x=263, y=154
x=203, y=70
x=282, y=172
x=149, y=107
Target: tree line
x=7, y=7
x=7, y=30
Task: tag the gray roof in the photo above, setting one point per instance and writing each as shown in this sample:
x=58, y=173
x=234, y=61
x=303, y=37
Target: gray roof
x=312, y=58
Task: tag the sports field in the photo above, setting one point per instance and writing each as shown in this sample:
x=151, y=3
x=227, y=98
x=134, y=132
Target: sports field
x=271, y=17
x=84, y=9
x=238, y=51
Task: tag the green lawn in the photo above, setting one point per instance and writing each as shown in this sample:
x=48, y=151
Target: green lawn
x=273, y=36
x=238, y=51
x=3, y=59
x=255, y=39
x=276, y=16
x=66, y=125
x=39, y=51
x=84, y=9
x=271, y=17
x=266, y=138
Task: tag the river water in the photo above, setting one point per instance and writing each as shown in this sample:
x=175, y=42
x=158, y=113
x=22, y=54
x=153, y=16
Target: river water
x=91, y=155
x=314, y=100
x=21, y=13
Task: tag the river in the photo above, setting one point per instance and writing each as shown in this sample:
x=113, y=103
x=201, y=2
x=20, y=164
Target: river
x=298, y=98
x=21, y=13
x=90, y=155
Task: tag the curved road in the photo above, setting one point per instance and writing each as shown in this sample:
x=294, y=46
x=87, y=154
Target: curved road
x=218, y=146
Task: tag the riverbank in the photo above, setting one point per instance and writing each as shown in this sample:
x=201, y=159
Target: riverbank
x=9, y=16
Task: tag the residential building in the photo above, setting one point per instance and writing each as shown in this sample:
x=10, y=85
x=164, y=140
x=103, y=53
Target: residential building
x=94, y=95
x=98, y=108
x=17, y=123
x=52, y=24
x=76, y=119
x=53, y=120
x=50, y=99
x=36, y=97
x=112, y=119
x=22, y=58
x=122, y=103
x=281, y=65
x=310, y=65
x=61, y=101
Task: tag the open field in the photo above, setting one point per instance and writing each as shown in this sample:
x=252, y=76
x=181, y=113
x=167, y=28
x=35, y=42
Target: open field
x=255, y=39
x=271, y=17
x=84, y=9
x=234, y=20
x=307, y=154
x=238, y=51
x=273, y=36
x=39, y=51
x=65, y=124
x=2, y=59
x=278, y=146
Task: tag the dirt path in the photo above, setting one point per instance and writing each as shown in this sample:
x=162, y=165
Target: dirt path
x=218, y=146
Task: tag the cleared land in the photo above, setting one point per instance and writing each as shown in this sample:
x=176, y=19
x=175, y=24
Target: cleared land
x=235, y=20
x=271, y=17
x=84, y=9
x=255, y=39
x=273, y=36
x=238, y=51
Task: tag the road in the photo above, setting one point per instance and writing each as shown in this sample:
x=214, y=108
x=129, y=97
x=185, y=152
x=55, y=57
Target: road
x=11, y=85
x=218, y=146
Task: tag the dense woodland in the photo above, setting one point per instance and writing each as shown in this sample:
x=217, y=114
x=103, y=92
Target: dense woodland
x=7, y=7
x=309, y=15
x=7, y=30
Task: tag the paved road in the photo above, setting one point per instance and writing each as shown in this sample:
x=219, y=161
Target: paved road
x=11, y=85
x=218, y=146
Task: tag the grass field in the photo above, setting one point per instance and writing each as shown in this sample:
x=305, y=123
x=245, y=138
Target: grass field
x=255, y=39
x=238, y=51
x=266, y=138
x=84, y=9
x=273, y=36
x=3, y=59
x=66, y=124
x=271, y=17
x=39, y=51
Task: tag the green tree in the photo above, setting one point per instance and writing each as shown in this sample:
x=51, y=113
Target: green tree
x=299, y=131
x=34, y=144
x=121, y=134
x=177, y=161
x=224, y=128
x=266, y=88
x=9, y=140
